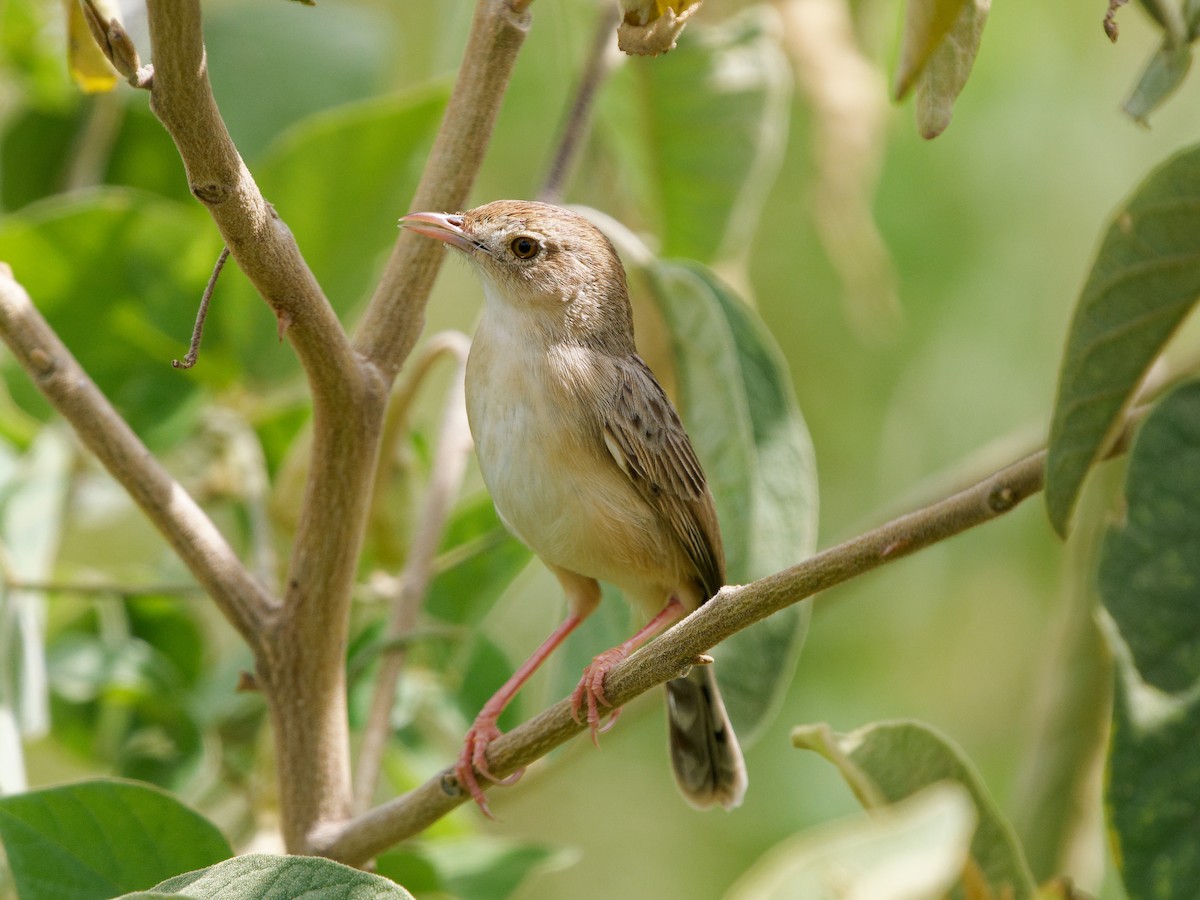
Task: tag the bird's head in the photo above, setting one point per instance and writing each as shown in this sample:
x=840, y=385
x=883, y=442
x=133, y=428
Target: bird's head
x=544, y=261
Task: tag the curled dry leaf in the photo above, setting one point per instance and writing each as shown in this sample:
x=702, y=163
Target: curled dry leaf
x=651, y=27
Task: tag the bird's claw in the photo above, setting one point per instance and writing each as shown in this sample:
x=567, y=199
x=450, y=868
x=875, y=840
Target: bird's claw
x=590, y=693
x=472, y=761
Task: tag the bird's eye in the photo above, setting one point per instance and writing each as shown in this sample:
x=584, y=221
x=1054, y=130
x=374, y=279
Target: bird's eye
x=524, y=247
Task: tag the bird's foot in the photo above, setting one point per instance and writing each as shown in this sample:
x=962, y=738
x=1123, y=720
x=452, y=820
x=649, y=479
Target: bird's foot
x=472, y=761
x=589, y=692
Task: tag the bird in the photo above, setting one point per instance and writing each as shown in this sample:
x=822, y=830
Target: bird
x=588, y=464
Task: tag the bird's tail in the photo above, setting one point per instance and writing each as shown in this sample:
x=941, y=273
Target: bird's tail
x=705, y=754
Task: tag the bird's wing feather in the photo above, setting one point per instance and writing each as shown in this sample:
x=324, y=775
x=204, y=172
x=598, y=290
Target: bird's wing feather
x=644, y=435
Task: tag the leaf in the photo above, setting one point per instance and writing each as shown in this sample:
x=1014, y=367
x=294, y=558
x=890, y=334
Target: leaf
x=118, y=275
x=1163, y=74
x=95, y=839
x=260, y=876
x=480, y=560
x=926, y=24
x=1145, y=280
x=91, y=71
x=32, y=527
x=699, y=134
x=888, y=761
x=914, y=848
x=736, y=399
x=283, y=67
x=490, y=868
x=346, y=225
x=948, y=68
x=1149, y=578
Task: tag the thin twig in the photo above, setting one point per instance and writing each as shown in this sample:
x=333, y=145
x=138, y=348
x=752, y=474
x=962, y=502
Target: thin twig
x=575, y=127
x=450, y=459
x=733, y=609
x=202, y=313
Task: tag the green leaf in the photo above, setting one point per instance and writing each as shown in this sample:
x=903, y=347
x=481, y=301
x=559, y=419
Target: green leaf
x=260, y=876
x=96, y=839
x=489, y=868
x=916, y=847
x=1145, y=280
x=926, y=24
x=1163, y=74
x=948, y=68
x=736, y=399
x=1149, y=578
x=346, y=225
x=118, y=275
x=699, y=133
x=480, y=560
x=888, y=761
x=1149, y=574
x=282, y=67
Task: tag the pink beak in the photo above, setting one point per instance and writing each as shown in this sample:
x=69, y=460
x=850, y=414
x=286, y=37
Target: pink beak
x=442, y=227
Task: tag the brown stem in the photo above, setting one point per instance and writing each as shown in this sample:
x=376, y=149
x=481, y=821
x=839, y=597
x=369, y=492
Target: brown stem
x=247, y=604
x=396, y=314
x=733, y=609
x=301, y=666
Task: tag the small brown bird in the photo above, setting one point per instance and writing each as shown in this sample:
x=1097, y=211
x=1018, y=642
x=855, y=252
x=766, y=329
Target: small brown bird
x=588, y=464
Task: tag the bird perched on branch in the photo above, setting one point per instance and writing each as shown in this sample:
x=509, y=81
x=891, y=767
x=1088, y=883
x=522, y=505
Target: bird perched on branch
x=587, y=464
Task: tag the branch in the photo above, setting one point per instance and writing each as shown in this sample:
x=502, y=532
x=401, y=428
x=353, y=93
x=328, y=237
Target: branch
x=396, y=314
x=301, y=665
x=733, y=609
x=56, y=373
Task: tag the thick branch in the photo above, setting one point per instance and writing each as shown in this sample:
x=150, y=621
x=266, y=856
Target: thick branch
x=301, y=663
x=733, y=609
x=396, y=314
x=190, y=532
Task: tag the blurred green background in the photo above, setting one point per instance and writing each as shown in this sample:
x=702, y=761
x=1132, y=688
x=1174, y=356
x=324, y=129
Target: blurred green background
x=990, y=230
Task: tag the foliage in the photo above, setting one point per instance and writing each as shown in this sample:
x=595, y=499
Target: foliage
x=706, y=152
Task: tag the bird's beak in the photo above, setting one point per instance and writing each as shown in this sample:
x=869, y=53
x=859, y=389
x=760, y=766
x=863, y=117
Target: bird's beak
x=442, y=227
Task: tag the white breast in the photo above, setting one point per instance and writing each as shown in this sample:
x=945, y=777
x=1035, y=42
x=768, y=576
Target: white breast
x=544, y=461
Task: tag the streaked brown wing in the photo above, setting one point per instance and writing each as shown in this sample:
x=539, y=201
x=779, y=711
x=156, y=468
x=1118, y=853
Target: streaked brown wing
x=645, y=436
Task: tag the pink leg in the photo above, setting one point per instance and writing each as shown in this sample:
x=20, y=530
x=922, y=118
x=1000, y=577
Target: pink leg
x=473, y=757
x=591, y=686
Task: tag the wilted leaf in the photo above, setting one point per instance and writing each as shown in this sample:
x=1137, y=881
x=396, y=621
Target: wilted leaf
x=948, y=68
x=96, y=839
x=91, y=71
x=888, y=761
x=1149, y=578
x=260, y=876
x=1145, y=280
x=699, y=134
x=914, y=848
x=1163, y=74
x=736, y=399
x=926, y=24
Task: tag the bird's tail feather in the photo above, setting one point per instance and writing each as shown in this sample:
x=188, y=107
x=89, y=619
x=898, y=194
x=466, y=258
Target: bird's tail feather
x=705, y=755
